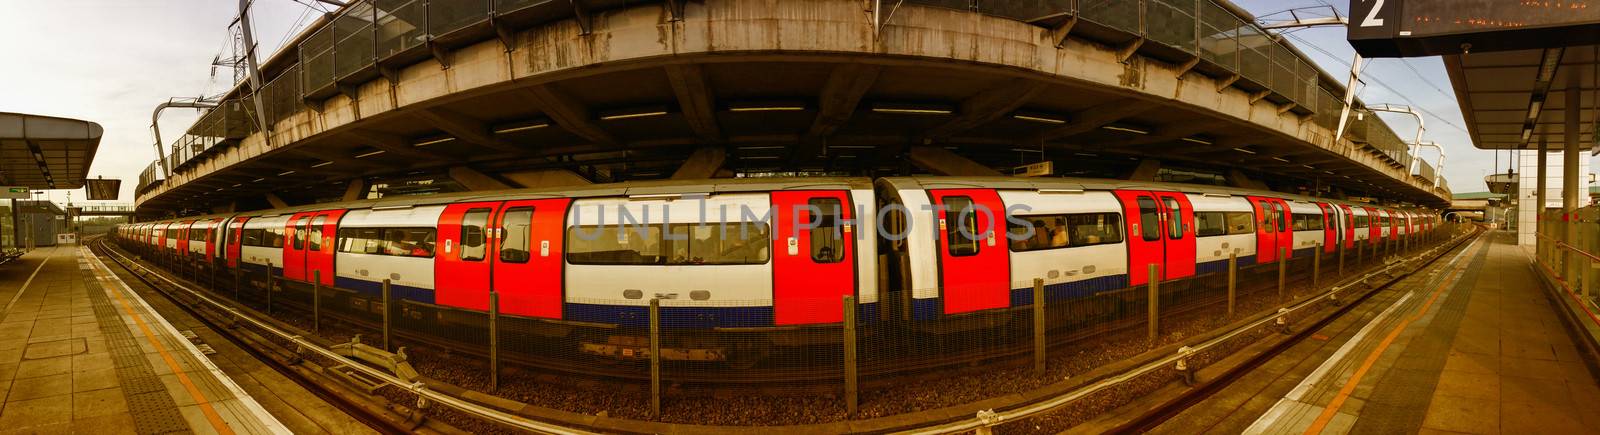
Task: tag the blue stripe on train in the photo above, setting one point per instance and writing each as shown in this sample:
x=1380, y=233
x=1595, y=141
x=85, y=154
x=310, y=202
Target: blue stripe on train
x=686, y=317
x=1220, y=266
x=374, y=289
x=929, y=309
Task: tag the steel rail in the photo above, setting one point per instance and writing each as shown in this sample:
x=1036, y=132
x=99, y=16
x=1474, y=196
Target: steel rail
x=991, y=418
x=419, y=388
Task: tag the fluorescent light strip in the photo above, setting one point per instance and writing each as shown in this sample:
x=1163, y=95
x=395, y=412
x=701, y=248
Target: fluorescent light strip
x=767, y=109
x=912, y=111
x=435, y=141
x=1281, y=159
x=633, y=115
x=1198, y=141
x=1042, y=119
x=369, y=154
x=285, y=173
x=1242, y=150
x=1126, y=129
x=321, y=164
x=522, y=128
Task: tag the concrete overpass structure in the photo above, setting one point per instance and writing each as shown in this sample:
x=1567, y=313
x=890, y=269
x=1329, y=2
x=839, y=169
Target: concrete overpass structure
x=395, y=97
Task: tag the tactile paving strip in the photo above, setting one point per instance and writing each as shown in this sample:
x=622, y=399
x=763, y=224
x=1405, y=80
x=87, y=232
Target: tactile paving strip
x=152, y=409
x=1399, y=400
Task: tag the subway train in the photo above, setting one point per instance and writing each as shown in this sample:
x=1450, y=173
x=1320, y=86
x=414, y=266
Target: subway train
x=767, y=256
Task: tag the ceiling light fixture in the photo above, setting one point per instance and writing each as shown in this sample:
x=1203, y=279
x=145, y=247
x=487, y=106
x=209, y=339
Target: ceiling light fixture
x=912, y=109
x=1125, y=129
x=369, y=154
x=1243, y=150
x=1040, y=118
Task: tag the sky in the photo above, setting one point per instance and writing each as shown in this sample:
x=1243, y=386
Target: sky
x=113, y=61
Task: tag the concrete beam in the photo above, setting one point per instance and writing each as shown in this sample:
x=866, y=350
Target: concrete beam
x=1237, y=178
x=467, y=129
x=225, y=208
x=546, y=178
x=943, y=162
x=1146, y=171
x=335, y=158
x=1087, y=120
x=1170, y=133
x=356, y=189
x=846, y=84
x=703, y=164
x=696, y=100
x=568, y=112
x=272, y=198
x=474, y=180
x=988, y=106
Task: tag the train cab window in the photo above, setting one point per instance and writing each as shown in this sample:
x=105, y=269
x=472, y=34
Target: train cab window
x=827, y=238
x=1150, y=218
x=516, y=224
x=299, y=239
x=314, y=237
x=473, y=242
x=961, y=230
x=1174, y=219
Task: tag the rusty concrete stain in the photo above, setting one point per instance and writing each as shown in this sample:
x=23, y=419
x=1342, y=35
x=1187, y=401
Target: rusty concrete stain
x=1132, y=73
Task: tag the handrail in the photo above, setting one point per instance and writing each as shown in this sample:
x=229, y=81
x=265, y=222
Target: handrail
x=1563, y=244
x=418, y=388
x=989, y=418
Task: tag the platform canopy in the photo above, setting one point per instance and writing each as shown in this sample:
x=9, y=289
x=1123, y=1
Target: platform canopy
x=46, y=152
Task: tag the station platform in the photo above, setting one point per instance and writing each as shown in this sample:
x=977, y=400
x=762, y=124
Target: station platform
x=80, y=352
x=1472, y=346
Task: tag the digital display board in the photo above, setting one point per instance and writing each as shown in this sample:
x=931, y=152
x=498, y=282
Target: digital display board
x=15, y=192
x=1404, y=28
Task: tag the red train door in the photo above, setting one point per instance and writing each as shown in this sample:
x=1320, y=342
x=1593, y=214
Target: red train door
x=527, y=264
x=1374, y=234
x=211, y=240
x=320, y=247
x=1285, y=229
x=294, y=246
x=235, y=236
x=813, y=264
x=461, y=270
x=1144, y=223
x=974, y=262
x=1330, y=228
x=1178, y=230
x=1266, y=229
x=1349, y=226
x=183, y=238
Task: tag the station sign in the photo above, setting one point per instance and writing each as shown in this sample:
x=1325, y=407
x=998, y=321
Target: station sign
x=1414, y=28
x=15, y=192
x=1040, y=169
x=101, y=189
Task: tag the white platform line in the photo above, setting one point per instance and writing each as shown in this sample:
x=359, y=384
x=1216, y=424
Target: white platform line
x=25, y=284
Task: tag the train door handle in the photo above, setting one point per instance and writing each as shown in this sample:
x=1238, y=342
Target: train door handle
x=544, y=248
x=794, y=246
x=991, y=238
x=394, y=277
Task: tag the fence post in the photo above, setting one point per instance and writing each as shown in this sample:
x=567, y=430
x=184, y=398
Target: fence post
x=1360, y=254
x=386, y=338
x=1341, y=258
x=1233, y=279
x=655, y=358
x=494, y=340
x=1038, y=326
x=851, y=395
x=269, y=288
x=316, y=301
x=1283, y=271
x=238, y=282
x=1154, y=302
x=1316, y=266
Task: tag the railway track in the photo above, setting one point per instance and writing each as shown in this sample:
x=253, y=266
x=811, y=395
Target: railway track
x=876, y=372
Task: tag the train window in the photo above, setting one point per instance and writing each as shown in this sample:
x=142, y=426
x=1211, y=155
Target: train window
x=299, y=236
x=1301, y=222
x=961, y=226
x=734, y=243
x=473, y=243
x=1174, y=219
x=1283, y=217
x=275, y=235
x=1361, y=221
x=827, y=238
x=1094, y=228
x=516, y=224
x=409, y=242
x=252, y=237
x=1241, y=222
x=614, y=244
x=1049, y=232
x=1150, y=217
x=1210, y=223
x=314, y=237
x=1314, y=222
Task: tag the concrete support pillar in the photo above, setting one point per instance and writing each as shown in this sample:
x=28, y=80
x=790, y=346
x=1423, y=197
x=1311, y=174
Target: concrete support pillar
x=474, y=180
x=1541, y=247
x=272, y=198
x=1147, y=170
x=943, y=162
x=1570, y=184
x=355, y=190
x=703, y=164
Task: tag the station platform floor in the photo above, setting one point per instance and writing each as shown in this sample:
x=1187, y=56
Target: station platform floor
x=80, y=352
x=1474, y=345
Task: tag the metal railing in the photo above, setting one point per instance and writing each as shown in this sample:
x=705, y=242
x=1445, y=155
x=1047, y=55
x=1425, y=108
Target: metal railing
x=370, y=35
x=1572, y=263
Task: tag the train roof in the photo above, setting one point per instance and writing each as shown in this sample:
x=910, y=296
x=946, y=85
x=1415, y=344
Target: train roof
x=1042, y=183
